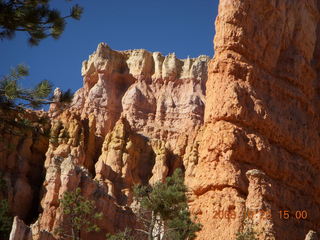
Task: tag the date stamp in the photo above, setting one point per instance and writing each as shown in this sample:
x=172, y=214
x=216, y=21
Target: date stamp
x=298, y=215
x=250, y=214
x=232, y=214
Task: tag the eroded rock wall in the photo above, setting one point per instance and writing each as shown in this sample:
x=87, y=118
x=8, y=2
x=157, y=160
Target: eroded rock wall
x=161, y=96
x=260, y=143
x=133, y=122
x=23, y=143
x=251, y=143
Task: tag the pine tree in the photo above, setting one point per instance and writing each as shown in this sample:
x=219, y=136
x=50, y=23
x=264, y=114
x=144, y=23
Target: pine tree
x=34, y=17
x=164, y=212
x=80, y=213
x=12, y=95
x=125, y=235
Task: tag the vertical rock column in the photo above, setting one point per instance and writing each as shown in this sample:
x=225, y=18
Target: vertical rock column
x=260, y=143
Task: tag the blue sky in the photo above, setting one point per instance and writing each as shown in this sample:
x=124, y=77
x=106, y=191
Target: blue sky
x=185, y=27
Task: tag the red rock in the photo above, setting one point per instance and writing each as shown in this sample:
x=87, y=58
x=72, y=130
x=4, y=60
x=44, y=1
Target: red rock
x=247, y=137
x=261, y=113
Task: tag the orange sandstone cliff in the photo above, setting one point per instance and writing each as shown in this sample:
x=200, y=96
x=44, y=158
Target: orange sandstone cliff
x=260, y=145
x=243, y=126
x=134, y=121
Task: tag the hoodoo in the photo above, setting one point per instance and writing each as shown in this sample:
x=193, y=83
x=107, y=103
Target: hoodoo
x=260, y=142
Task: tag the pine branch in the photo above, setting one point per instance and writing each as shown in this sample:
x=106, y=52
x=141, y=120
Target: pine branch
x=141, y=230
x=36, y=18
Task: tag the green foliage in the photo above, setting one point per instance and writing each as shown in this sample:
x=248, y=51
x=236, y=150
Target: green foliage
x=42, y=90
x=66, y=96
x=8, y=84
x=20, y=71
x=12, y=95
x=23, y=122
x=164, y=199
x=182, y=226
x=247, y=231
x=247, y=234
x=125, y=235
x=34, y=17
x=164, y=212
x=168, y=201
x=81, y=214
x=11, y=91
x=58, y=133
x=5, y=220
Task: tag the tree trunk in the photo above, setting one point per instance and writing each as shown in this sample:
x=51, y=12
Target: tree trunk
x=151, y=227
x=73, y=234
x=160, y=228
x=78, y=234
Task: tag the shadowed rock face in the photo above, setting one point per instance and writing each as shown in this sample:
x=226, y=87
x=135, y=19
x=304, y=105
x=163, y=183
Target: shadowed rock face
x=260, y=143
x=23, y=144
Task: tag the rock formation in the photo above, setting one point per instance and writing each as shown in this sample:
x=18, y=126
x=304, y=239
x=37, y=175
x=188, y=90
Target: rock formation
x=23, y=144
x=260, y=143
x=159, y=96
x=131, y=123
x=243, y=127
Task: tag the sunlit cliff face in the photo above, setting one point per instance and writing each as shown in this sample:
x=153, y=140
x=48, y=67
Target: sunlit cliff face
x=259, y=147
x=243, y=127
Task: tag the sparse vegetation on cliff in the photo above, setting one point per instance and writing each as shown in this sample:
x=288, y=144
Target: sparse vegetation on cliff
x=127, y=234
x=246, y=231
x=80, y=215
x=164, y=212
